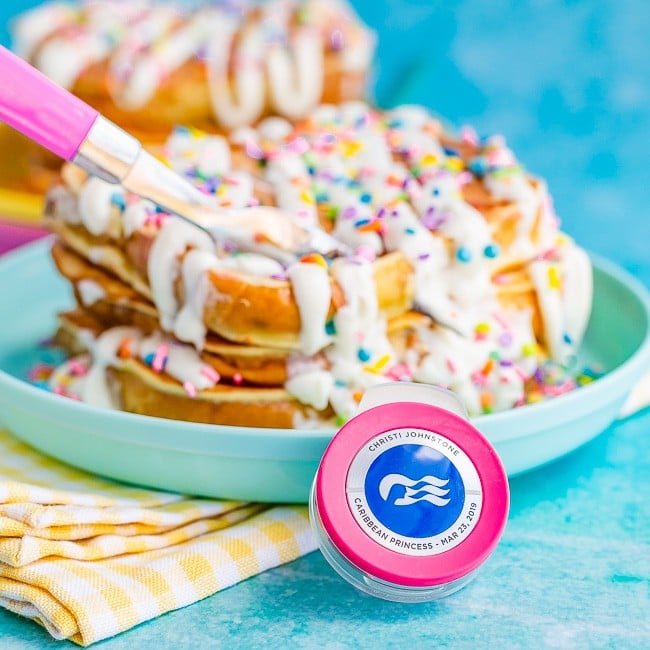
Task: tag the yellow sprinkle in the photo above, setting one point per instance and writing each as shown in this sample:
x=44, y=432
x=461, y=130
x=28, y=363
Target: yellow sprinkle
x=561, y=239
x=307, y=197
x=379, y=365
x=454, y=164
x=197, y=133
x=350, y=149
x=534, y=397
x=554, y=278
x=163, y=159
x=314, y=258
x=221, y=190
x=529, y=349
x=482, y=328
x=429, y=159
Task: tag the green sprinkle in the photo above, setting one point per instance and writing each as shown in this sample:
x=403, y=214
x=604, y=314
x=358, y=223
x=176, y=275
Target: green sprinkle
x=333, y=213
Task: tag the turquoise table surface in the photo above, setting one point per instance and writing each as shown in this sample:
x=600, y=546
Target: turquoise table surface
x=568, y=83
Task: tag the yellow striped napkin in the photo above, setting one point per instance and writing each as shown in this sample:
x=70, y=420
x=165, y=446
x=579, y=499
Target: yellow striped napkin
x=88, y=558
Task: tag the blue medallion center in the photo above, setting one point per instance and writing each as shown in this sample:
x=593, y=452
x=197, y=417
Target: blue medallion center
x=414, y=491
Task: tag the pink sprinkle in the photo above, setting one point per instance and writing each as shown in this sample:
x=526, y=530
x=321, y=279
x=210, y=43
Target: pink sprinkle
x=414, y=192
x=469, y=135
x=400, y=371
x=253, y=150
x=237, y=378
x=211, y=374
x=464, y=178
x=59, y=390
x=160, y=358
x=231, y=180
x=253, y=202
x=359, y=336
x=479, y=378
x=190, y=388
x=298, y=145
x=501, y=278
x=303, y=213
x=413, y=152
x=75, y=369
x=522, y=375
x=451, y=366
x=501, y=320
x=365, y=253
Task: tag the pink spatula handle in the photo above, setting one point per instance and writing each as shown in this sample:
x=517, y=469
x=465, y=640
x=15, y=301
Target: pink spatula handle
x=41, y=110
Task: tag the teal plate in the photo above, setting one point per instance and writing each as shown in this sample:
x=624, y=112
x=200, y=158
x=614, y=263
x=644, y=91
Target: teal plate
x=277, y=465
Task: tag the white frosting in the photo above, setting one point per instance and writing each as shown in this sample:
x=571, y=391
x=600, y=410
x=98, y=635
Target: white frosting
x=516, y=187
x=578, y=290
x=183, y=363
x=564, y=291
x=312, y=388
x=36, y=25
x=312, y=292
x=63, y=61
x=90, y=292
x=95, y=206
x=104, y=353
x=189, y=325
x=296, y=77
x=163, y=264
x=241, y=100
x=135, y=216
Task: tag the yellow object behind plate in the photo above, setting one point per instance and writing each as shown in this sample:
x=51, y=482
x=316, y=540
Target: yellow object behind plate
x=22, y=207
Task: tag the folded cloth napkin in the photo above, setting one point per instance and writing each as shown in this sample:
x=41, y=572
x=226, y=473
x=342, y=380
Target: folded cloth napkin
x=88, y=558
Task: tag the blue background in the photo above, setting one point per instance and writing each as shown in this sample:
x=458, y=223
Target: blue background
x=568, y=83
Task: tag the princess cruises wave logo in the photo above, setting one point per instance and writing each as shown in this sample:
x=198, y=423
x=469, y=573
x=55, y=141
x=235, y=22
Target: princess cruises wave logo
x=414, y=490
x=427, y=488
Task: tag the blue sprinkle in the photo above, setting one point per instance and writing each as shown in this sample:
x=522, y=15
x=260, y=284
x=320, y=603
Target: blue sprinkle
x=395, y=124
x=365, y=198
x=361, y=222
x=353, y=183
x=567, y=339
x=118, y=200
x=491, y=250
x=330, y=328
x=149, y=358
x=435, y=191
x=311, y=170
x=43, y=385
x=364, y=355
x=322, y=197
x=160, y=210
x=450, y=152
x=478, y=165
x=339, y=383
x=464, y=255
x=409, y=231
